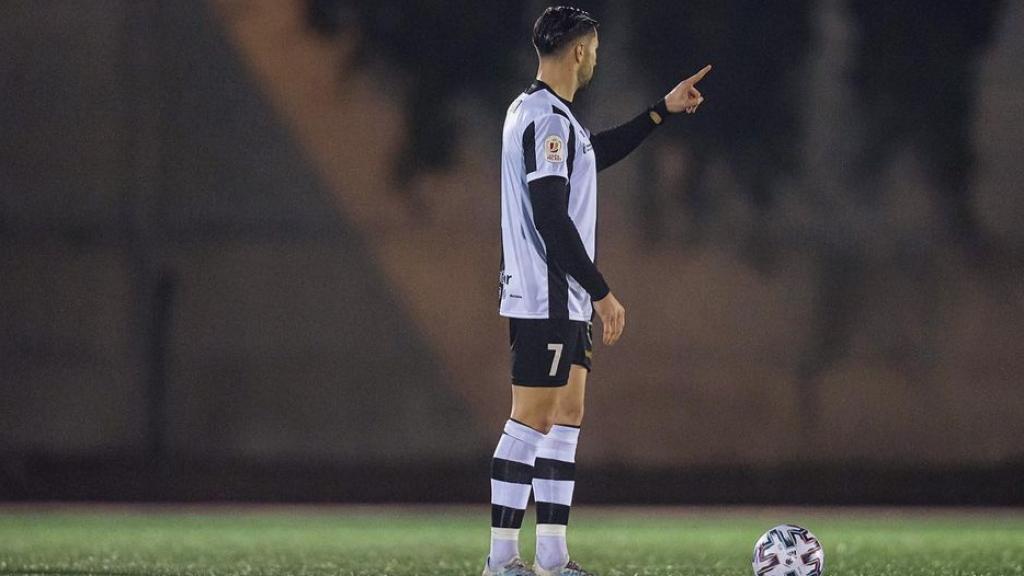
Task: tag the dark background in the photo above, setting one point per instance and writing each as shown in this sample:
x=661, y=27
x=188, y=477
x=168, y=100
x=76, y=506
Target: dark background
x=248, y=251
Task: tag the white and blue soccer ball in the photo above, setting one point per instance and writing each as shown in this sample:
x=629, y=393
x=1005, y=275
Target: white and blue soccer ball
x=788, y=550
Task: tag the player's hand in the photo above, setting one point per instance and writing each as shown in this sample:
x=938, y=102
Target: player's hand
x=613, y=318
x=685, y=96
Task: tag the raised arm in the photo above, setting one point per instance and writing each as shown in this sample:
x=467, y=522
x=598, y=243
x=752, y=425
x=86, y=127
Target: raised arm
x=613, y=145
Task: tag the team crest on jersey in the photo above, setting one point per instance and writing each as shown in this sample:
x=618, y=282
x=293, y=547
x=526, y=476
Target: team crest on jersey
x=554, y=149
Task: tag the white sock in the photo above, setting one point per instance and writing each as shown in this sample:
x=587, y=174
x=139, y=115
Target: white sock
x=504, y=547
x=552, y=551
x=511, y=476
x=554, y=480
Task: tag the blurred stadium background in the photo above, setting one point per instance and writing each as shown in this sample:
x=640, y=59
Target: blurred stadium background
x=249, y=250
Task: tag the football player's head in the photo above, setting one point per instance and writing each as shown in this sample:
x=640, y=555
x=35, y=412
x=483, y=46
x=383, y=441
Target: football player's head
x=569, y=34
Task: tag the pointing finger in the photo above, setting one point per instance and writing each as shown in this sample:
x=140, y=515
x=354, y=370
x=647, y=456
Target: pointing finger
x=699, y=75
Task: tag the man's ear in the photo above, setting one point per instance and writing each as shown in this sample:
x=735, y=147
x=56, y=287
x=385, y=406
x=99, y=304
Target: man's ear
x=579, y=52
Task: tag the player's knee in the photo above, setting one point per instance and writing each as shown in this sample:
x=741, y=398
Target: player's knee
x=542, y=423
x=549, y=419
x=546, y=425
x=570, y=415
x=541, y=419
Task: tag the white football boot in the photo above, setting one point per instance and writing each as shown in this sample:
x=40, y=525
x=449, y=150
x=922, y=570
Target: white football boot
x=570, y=569
x=514, y=567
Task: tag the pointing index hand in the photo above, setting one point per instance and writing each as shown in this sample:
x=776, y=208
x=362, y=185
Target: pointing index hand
x=698, y=76
x=685, y=96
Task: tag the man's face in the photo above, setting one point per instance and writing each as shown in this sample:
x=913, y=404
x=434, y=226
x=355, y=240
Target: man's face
x=586, y=69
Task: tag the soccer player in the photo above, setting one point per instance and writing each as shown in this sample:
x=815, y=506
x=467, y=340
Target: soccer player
x=550, y=285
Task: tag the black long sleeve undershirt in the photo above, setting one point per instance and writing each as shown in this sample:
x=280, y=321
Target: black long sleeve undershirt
x=550, y=199
x=613, y=145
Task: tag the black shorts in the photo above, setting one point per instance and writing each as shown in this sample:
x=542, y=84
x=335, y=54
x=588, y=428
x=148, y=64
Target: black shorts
x=543, y=350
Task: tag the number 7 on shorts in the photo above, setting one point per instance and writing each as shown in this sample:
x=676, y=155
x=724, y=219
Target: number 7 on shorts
x=557, y=349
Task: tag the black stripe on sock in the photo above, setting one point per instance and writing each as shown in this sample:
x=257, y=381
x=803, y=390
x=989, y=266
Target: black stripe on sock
x=554, y=469
x=549, y=513
x=505, y=517
x=511, y=471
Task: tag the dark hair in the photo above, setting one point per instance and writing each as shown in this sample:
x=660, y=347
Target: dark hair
x=560, y=25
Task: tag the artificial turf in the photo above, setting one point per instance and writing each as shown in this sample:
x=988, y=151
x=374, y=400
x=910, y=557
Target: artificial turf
x=446, y=541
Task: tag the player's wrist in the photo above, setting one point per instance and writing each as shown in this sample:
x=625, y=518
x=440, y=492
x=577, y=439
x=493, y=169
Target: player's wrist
x=658, y=112
x=600, y=292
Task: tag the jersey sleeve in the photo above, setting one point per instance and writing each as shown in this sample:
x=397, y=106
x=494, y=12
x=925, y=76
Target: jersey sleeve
x=550, y=197
x=545, y=147
x=613, y=145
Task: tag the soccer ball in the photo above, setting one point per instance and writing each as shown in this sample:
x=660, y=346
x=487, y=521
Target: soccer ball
x=788, y=550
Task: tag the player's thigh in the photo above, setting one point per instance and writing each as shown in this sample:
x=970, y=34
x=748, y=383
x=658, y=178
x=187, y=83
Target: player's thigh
x=543, y=355
x=572, y=397
x=542, y=351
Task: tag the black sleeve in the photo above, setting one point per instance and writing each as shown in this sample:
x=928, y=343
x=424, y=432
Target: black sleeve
x=613, y=145
x=550, y=198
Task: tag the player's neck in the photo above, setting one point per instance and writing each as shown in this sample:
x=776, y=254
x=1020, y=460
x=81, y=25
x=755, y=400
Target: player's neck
x=561, y=81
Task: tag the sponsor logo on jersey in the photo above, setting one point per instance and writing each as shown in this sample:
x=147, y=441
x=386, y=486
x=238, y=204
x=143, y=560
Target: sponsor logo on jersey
x=554, y=149
x=503, y=280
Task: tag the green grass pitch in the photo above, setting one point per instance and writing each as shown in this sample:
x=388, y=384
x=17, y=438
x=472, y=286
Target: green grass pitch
x=448, y=541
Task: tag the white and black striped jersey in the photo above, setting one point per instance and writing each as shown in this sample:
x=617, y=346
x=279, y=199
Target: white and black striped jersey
x=542, y=138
